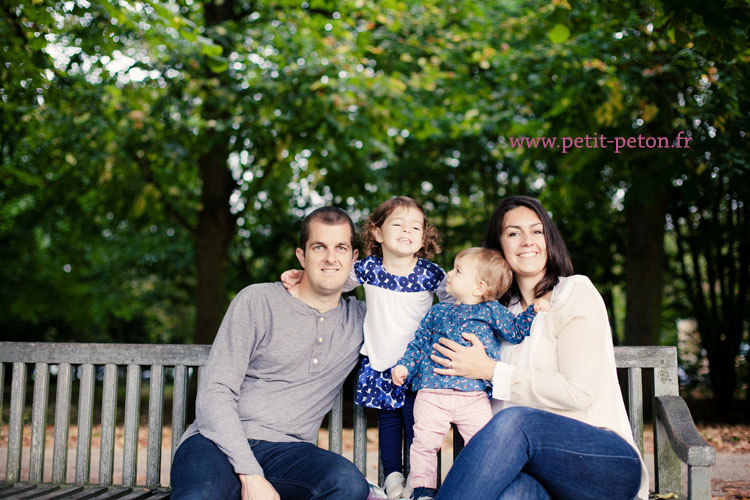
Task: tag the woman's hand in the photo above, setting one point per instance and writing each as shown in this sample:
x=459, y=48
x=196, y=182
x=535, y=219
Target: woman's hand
x=469, y=362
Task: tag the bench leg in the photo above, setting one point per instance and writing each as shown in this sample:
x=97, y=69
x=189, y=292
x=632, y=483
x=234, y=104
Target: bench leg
x=699, y=483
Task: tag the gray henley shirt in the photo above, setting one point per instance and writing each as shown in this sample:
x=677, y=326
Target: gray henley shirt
x=274, y=371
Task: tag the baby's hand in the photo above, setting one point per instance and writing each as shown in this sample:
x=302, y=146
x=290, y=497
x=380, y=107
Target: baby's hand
x=291, y=277
x=399, y=374
x=541, y=305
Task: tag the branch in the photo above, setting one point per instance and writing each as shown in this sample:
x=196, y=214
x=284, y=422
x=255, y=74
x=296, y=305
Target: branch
x=257, y=187
x=693, y=295
x=148, y=174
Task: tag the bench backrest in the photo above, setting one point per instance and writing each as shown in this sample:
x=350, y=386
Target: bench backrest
x=94, y=362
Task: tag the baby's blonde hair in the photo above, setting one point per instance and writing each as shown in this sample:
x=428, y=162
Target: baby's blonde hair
x=492, y=268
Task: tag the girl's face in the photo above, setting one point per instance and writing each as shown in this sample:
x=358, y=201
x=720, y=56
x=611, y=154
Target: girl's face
x=523, y=243
x=402, y=232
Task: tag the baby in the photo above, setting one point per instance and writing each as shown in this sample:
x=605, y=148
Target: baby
x=479, y=277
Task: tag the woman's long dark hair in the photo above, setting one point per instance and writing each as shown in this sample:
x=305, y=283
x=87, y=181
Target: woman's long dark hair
x=558, y=259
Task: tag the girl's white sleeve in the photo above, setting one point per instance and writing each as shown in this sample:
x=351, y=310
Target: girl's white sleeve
x=352, y=281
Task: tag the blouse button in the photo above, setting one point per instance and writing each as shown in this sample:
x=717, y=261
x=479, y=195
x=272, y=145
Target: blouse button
x=320, y=340
x=315, y=361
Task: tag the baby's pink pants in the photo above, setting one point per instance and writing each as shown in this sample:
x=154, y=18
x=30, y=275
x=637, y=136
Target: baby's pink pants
x=434, y=412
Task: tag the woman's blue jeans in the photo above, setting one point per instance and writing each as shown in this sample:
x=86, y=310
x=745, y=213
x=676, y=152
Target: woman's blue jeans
x=298, y=471
x=525, y=453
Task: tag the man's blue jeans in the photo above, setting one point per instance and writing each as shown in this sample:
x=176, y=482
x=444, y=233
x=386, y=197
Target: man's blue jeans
x=529, y=454
x=298, y=471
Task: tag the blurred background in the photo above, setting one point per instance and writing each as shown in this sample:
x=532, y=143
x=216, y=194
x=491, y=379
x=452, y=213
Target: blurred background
x=157, y=156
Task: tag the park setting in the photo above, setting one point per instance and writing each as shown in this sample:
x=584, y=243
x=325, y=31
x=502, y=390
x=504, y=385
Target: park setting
x=158, y=156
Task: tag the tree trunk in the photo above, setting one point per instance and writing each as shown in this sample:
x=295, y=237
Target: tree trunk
x=644, y=261
x=216, y=227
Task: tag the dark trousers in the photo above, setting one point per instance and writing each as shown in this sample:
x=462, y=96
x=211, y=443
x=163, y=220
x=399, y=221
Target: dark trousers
x=298, y=471
x=391, y=425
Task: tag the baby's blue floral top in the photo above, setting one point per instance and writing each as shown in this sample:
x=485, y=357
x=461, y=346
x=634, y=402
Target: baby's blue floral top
x=490, y=321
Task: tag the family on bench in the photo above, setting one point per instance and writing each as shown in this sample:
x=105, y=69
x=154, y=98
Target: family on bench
x=541, y=411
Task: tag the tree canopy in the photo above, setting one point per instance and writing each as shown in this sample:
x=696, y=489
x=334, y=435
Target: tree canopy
x=156, y=156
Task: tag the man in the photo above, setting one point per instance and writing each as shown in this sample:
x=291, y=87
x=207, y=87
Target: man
x=277, y=364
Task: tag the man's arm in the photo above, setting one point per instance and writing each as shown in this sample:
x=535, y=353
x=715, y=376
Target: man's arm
x=217, y=413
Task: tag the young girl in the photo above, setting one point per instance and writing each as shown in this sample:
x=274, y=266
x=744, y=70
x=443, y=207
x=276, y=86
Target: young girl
x=399, y=286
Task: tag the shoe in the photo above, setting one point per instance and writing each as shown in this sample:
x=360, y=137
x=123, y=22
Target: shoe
x=408, y=490
x=423, y=493
x=394, y=485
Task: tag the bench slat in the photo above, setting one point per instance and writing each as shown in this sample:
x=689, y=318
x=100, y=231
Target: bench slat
x=16, y=490
x=132, y=410
x=85, y=493
x=42, y=492
x=58, y=493
x=62, y=421
x=360, y=438
x=15, y=429
x=85, y=420
x=101, y=354
x=38, y=422
x=635, y=405
x=2, y=391
x=179, y=400
x=645, y=357
x=155, y=403
x=109, y=415
x=335, y=425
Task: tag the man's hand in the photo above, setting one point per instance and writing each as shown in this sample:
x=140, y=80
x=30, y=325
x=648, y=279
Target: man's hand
x=255, y=487
x=291, y=277
x=399, y=374
x=541, y=305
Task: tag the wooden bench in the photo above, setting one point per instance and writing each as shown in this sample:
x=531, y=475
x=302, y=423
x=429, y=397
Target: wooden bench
x=98, y=367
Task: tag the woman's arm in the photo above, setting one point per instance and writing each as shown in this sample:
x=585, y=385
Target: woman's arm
x=569, y=357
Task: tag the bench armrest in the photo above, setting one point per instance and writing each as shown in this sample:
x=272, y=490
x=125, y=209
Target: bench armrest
x=687, y=444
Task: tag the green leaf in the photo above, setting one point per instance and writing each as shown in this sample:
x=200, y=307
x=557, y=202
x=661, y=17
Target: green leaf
x=217, y=64
x=212, y=50
x=559, y=33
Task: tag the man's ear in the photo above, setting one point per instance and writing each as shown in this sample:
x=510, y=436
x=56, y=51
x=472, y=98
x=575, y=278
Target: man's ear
x=355, y=254
x=300, y=257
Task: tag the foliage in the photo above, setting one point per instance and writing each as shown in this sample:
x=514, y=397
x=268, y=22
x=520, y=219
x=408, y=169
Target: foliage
x=156, y=156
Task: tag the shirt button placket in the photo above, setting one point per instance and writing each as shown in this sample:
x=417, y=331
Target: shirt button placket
x=315, y=366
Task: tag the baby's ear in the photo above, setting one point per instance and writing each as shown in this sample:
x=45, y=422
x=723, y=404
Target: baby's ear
x=481, y=288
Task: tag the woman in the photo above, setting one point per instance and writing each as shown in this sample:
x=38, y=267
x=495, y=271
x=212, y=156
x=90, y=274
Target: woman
x=563, y=432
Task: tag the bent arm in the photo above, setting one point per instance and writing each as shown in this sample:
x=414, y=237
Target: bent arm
x=352, y=281
x=216, y=409
x=568, y=360
x=507, y=325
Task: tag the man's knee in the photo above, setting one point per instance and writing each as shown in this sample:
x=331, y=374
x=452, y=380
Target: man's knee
x=344, y=482
x=201, y=471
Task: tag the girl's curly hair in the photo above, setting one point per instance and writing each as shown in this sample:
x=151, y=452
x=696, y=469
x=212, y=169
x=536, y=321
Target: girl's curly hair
x=430, y=244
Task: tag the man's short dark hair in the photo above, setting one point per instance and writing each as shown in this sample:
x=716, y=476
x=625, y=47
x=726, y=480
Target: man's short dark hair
x=327, y=215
